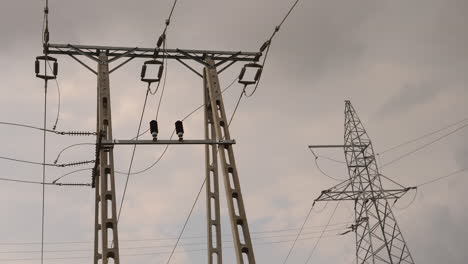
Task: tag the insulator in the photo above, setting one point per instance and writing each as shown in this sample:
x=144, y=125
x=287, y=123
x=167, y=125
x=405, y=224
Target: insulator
x=154, y=129
x=168, y=21
x=55, y=68
x=257, y=74
x=264, y=46
x=76, y=163
x=46, y=59
x=77, y=133
x=46, y=36
x=242, y=73
x=179, y=129
x=161, y=39
x=143, y=71
x=159, y=72
x=36, y=67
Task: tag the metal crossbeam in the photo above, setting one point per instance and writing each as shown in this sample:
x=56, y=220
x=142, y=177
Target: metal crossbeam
x=92, y=51
x=107, y=143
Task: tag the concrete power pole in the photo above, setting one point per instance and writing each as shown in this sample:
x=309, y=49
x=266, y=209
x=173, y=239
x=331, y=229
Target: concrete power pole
x=378, y=236
x=105, y=225
x=217, y=142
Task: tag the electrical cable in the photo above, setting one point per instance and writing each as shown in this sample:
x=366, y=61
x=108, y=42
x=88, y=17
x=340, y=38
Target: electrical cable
x=409, y=204
x=267, y=45
x=316, y=157
x=69, y=173
x=298, y=234
x=197, y=237
x=442, y=177
x=321, y=235
x=25, y=181
x=186, y=221
x=71, y=146
x=133, y=156
x=161, y=253
x=237, y=105
x=424, y=146
x=58, y=98
x=162, y=246
x=63, y=133
x=164, y=82
x=44, y=153
x=423, y=136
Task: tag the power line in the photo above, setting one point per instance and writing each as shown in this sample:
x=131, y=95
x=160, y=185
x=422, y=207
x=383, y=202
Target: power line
x=321, y=235
x=267, y=45
x=298, y=234
x=410, y=203
x=423, y=136
x=164, y=82
x=163, y=246
x=237, y=105
x=164, y=253
x=316, y=157
x=71, y=146
x=442, y=177
x=424, y=146
x=133, y=156
x=44, y=159
x=69, y=173
x=271, y=231
x=186, y=221
x=59, y=99
x=47, y=164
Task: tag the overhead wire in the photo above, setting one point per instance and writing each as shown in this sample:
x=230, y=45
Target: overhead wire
x=165, y=245
x=133, y=156
x=423, y=136
x=163, y=253
x=344, y=223
x=186, y=221
x=71, y=146
x=58, y=100
x=424, y=146
x=266, y=46
x=316, y=157
x=237, y=105
x=164, y=82
x=321, y=235
x=46, y=41
x=442, y=177
x=409, y=204
x=298, y=234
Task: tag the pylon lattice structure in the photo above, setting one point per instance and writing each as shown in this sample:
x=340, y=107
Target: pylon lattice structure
x=378, y=236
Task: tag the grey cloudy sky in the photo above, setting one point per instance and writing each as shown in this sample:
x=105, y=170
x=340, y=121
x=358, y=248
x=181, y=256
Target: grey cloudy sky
x=401, y=63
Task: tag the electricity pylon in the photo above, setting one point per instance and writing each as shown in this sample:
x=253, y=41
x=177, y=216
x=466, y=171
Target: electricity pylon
x=378, y=236
x=217, y=141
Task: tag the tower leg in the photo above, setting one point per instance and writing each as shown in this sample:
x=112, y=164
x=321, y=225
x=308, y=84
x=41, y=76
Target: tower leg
x=212, y=186
x=240, y=228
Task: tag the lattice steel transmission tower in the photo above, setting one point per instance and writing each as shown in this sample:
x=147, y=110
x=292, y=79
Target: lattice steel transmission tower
x=378, y=236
